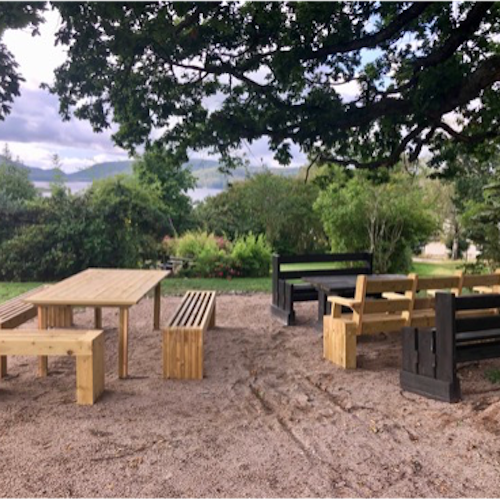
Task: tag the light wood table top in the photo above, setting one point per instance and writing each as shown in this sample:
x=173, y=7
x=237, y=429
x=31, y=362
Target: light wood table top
x=100, y=288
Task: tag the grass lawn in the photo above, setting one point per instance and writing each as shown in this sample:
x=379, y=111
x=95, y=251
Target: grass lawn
x=433, y=269
x=176, y=286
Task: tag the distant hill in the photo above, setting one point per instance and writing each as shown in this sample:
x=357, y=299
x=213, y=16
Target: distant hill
x=206, y=172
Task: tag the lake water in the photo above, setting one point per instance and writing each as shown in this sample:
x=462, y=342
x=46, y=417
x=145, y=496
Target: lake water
x=197, y=194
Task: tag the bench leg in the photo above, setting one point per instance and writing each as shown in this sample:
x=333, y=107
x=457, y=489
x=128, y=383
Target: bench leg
x=211, y=323
x=98, y=318
x=183, y=353
x=90, y=374
x=3, y=366
x=339, y=342
x=42, y=325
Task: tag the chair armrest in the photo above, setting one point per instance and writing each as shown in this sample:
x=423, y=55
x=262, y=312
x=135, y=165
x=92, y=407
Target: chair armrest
x=344, y=301
x=394, y=295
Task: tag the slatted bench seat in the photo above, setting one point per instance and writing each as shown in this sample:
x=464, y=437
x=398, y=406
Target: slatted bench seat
x=15, y=312
x=183, y=336
x=86, y=346
x=369, y=315
x=430, y=355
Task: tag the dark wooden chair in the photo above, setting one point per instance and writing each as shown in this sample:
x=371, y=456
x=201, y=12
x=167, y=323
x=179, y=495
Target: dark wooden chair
x=285, y=292
x=430, y=356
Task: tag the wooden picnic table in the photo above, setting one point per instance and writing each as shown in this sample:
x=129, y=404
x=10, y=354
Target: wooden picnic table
x=100, y=288
x=344, y=285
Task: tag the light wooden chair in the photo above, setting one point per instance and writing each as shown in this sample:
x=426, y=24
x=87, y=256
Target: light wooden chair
x=368, y=316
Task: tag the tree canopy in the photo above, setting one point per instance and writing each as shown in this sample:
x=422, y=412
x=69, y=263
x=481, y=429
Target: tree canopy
x=214, y=74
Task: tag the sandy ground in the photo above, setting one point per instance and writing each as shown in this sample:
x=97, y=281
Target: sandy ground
x=270, y=419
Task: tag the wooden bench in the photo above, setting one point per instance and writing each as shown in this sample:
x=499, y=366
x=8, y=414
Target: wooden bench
x=483, y=283
x=285, y=293
x=430, y=355
x=183, y=336
x=16, y=312
x=422, y=296
x=369, y=315
x=86, y=346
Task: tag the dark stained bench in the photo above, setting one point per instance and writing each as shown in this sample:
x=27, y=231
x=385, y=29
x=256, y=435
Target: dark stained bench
x=285, y=293
x=430, y=356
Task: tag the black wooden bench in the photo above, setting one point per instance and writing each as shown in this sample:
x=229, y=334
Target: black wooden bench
x=285, y=293
x=430, y=356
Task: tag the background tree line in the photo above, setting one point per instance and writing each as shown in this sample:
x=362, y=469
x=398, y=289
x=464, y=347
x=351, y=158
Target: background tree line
x=140, y=220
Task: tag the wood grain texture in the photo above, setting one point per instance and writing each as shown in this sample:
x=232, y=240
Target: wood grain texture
x=100, y=288
x=184, y=336
x=86, y=346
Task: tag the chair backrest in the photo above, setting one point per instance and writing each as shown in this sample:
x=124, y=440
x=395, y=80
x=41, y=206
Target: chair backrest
x=424, y=284
x=396, y=308
x=447, y=306
x=487, y=280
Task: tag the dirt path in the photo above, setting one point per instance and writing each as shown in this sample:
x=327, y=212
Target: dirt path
x=271, y=419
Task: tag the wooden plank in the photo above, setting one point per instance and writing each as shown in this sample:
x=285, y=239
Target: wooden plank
x=387, y=306
x=375, y=286
x=472, y=280
x=42, y=346
x=90, y=373
x=42, y=325
x=123, y=343
x=157, y=307
x=335, y=257
x=484, y=301
x=339, y=342
x=437, y=282
x=86, y=346
x=101, y=287
x=429, y=387
x=445, y=337
x=409, y=340
x=477, y=323
x=426, y=353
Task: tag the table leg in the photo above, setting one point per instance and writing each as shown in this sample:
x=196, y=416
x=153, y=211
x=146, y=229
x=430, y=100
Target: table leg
x=3, y=366
x=123, y=344
x=98, y=318
x=42, y=325
x=157, y=306
x=322, y=305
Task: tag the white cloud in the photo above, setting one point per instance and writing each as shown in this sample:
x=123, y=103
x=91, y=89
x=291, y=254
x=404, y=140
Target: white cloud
x=35, y=132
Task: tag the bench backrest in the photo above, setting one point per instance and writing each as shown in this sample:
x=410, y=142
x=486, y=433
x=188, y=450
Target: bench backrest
x=352, y=264
x=425, y=284
x=487, y=280
x=396, y=309
x=468, y=338
x=447, y=306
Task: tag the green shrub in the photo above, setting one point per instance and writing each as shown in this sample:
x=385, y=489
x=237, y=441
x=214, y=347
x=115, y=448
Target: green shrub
x=493, y=375
x=389, y=218
x=252, y=255
x=280, y=208
x=116, y=223
x=193, y=243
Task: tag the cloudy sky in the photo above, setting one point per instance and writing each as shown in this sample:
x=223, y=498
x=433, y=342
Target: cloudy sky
x=34, y=130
